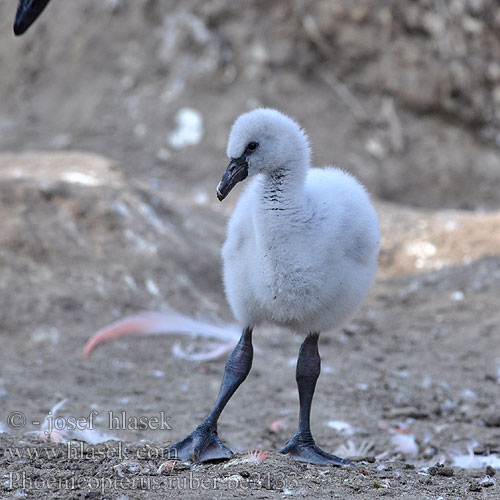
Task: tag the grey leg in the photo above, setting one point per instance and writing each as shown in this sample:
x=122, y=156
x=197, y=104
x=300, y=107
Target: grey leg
x=203, y=443
x=302, y=446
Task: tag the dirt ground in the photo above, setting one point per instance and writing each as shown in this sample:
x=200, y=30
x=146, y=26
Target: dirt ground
x=104, y=215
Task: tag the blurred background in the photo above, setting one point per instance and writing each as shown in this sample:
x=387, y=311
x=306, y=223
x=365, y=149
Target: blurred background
x=114, y=116
x=404, y=94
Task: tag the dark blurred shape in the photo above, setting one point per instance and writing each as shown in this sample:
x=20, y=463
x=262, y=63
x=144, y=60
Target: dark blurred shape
x=27, y=12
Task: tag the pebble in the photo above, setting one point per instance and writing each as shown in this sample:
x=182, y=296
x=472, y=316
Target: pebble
x=406, y=411
x=441, y=470
x=490, y=471
x=492, y=420
x=475, y=486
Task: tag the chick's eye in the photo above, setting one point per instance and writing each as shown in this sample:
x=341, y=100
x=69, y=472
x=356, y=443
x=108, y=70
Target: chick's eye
x=252, y=146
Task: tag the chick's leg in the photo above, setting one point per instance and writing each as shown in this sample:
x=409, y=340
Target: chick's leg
x=204, y=443
x=302, y=446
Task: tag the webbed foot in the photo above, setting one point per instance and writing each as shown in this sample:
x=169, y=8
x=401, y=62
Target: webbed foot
x=305, y=450
x=202, y=445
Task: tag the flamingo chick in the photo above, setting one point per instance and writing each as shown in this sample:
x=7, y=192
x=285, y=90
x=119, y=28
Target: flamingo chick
x=301, y=251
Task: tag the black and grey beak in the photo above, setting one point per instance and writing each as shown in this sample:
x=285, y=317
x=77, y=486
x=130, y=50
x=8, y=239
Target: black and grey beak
x=236, y=171
x=27, y=12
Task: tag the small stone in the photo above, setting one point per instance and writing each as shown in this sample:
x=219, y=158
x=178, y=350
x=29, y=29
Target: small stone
x=406, y=411
x=433, y=24
x=127, y=82
x=492, y=420
x=490, y=471
x=472, y=25
x=47, y=335
x=140, y=130
x=163, y=155
x=493, y=72
x=441, y=470
x=375, y=148
x=475, y=486
x=457, y=296
x=61, y=141
x=476, y=6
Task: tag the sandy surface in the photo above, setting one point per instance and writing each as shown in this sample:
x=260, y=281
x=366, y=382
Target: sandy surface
x=418, y=365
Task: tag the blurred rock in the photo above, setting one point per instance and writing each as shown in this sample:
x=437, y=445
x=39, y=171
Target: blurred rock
x=77, y=233
x=415, y=241
x=110, y=77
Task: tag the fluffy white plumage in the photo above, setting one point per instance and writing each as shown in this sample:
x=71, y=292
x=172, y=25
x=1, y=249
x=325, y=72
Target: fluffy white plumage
x=301, y=251
x=302, y=243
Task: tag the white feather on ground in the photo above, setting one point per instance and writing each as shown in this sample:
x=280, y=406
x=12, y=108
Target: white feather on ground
x=471, y=461
x=88, y=435
x=342, y=427
x=351, y=449
x=405, y=443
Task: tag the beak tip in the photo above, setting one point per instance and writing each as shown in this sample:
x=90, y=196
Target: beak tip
x=19, y=28
x=220, y=196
